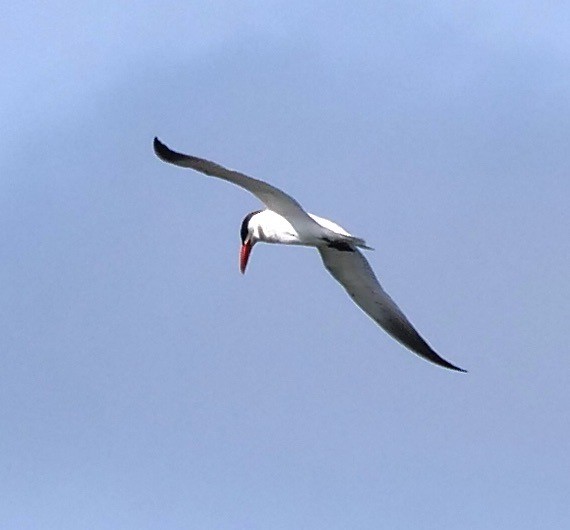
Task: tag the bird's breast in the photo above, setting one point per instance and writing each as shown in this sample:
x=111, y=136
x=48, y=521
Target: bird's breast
x=271, y=227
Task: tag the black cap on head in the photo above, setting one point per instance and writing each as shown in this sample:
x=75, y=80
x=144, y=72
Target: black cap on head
x=244, y=230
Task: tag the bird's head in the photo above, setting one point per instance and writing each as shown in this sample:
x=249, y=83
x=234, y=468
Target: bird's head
x=248, y=239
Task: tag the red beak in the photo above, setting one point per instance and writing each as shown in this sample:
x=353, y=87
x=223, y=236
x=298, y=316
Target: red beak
x=244, y=255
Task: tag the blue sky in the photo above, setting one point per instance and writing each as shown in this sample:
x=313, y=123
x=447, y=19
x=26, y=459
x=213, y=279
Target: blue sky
x=145, y=384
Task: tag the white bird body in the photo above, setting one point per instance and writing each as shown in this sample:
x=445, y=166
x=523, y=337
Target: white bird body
x=270, y=227
x=284, y=221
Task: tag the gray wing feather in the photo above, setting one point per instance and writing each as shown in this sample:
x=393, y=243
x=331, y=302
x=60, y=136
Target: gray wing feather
x=272, y=197
x=353, y=272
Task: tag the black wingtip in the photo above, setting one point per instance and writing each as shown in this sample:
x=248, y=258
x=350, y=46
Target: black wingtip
x=160, y=149
x=168, y=155
x=423, y=349
x=457, y=369
x=440, y=361
x=447, y=364
x=427, y=352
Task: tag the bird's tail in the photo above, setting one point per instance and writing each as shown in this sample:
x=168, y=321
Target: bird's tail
x=358, y=242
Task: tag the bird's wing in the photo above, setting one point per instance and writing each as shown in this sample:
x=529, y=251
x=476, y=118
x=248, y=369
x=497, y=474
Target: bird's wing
x=353, y=272
x=272, y=197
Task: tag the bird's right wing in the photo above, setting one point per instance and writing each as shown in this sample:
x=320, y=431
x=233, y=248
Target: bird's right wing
x=272, y=197
x=353, y=272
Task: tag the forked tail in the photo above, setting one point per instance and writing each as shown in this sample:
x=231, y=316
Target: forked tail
x=346, y=243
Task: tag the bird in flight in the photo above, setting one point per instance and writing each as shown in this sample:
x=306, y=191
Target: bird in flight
x=285, y=221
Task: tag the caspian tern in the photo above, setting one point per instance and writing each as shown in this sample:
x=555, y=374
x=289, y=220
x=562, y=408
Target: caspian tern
x=284, y=221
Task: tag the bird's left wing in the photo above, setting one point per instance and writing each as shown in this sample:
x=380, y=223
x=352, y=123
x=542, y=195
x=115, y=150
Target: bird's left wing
x=272, y=197
x=353, y=272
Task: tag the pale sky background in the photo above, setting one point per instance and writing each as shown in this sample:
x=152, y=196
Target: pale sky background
x=145, y=384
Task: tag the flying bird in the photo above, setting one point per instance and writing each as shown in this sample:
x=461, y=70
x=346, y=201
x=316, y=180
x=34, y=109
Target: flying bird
x=285, y=221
